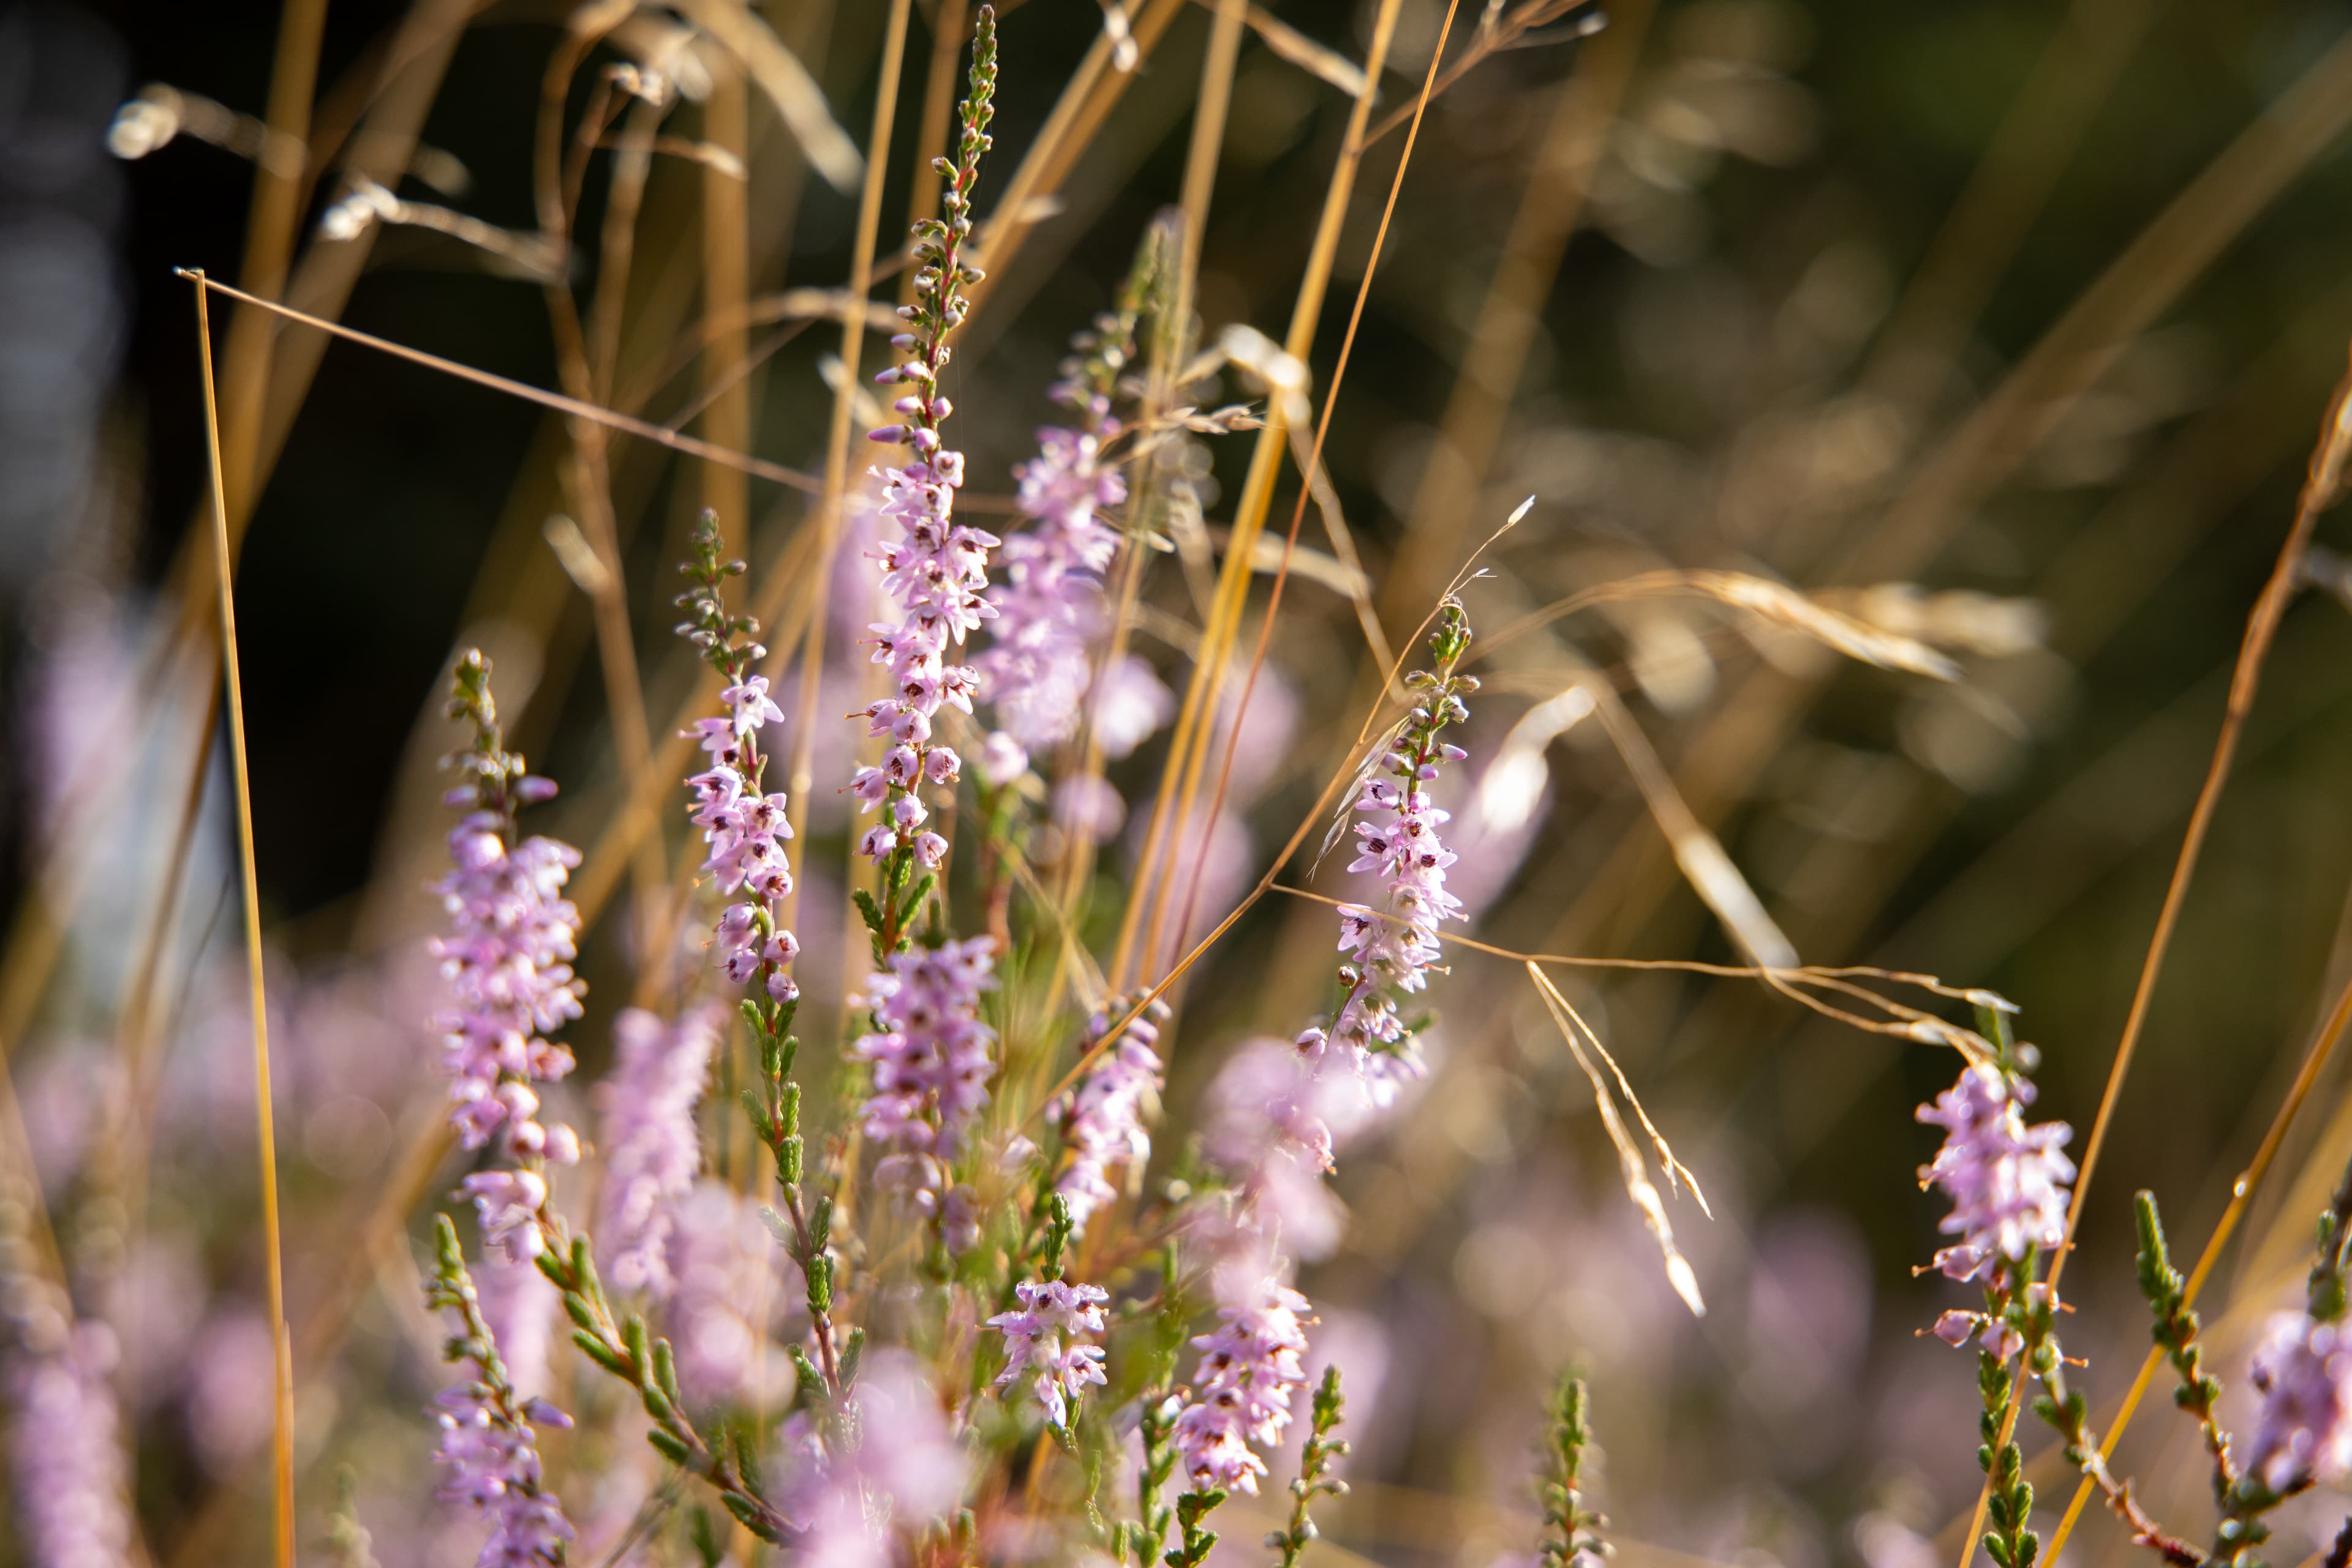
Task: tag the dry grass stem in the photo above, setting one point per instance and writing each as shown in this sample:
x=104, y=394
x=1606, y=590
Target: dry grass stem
x=282, y=1407
x=1679, y=1273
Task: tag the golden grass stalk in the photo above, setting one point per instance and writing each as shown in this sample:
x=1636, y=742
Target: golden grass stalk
x=1172, y=801
x=282, y=1424
x=1636, y=1176
x=1310, y=470
x=1708, y=870
x=1907, y=1023
x=576, y=407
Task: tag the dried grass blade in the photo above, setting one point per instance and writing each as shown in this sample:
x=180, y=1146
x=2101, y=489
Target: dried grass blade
x=1679, y=1273
x=1677, y=1172
x=759, y=468
x=1710, y=870
x=282, y=1408
x=788, y=85
x=1316, y=59
x=1760, y=597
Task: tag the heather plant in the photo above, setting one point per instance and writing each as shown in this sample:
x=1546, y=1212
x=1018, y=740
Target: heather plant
x=927, y=1091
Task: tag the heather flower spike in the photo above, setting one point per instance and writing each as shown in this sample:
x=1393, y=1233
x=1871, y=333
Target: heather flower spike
x=742, y=822
x=2006, y=1184
x=936, y=571
x=1039, y=669
x=1249, y=1370
x=2302, y=1370
x=651, y=1152
x=67, y=1470
x=745, y=826
x=1102, y=1119
x=1395, y=943
x=488, y=1445
x=509, y=962
x=1044, y=1343
x=929, y=1052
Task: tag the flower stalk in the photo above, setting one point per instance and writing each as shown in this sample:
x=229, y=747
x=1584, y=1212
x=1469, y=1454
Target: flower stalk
x=1315, y=1480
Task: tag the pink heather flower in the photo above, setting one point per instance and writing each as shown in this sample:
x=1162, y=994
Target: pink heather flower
x=905, y=1471
x=2303, y=1370
x=1090, y=806
x=929, y=1056
x=507, y=1204
x=1131, y=703
x=1249, y=1370
x=1041, y=1341
x=744, y=826
x=492, y=1460
x=66, y=1464
x=1050, y=607
x=1274, y=1126
x=1993, y=1335
x=508, y=962
x=749, y=705
x=650, y=1147
x=1102, y=1118
x=935, y=573
x=1002, y=760
x=488, y=1448
x=1396, y=944
x=728, y=1300
x=2007, y=1182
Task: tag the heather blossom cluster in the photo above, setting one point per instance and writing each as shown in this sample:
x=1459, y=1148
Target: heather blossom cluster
x=936, y=572
x=66, y=1467
x=651, y=1151
x=930, y=1055
x=892, y=1464
x=1050, y=607
x=488, y=1447
x=2302, y=1369
x=1043, y=1343
x=1249, y=1371
x=2007, y=1182
x=1102, y=1119
x=1277, y=1125
x=743, y=824
x=509, y=963
x=509, y=960
x=1395, y=944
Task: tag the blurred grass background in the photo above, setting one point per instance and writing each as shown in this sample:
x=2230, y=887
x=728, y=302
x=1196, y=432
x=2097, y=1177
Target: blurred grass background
x=2038, y=302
